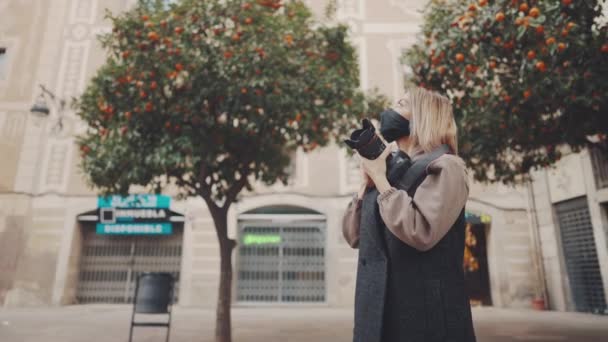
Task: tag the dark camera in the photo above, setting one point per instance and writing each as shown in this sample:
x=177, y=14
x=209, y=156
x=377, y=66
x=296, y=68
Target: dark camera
x=366, y=141
x=369, y=145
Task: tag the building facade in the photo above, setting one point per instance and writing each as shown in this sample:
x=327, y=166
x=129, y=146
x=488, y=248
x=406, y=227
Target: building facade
x=571, y=213
x=291, y=249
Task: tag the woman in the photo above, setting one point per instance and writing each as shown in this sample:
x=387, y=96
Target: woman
x=410, y=281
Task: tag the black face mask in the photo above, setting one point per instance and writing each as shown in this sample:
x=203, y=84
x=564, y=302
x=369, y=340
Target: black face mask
x=393, y=126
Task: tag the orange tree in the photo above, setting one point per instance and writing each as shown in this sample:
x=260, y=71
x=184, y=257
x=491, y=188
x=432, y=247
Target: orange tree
x=525, y=77
x=206, y=95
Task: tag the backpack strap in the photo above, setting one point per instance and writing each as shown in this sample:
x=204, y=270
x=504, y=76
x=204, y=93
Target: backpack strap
x=417, y=172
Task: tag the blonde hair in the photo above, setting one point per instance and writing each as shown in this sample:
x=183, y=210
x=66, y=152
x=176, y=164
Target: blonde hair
x=432, y=123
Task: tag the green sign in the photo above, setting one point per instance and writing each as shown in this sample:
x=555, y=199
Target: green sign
x=134, y=201
x=476, y=219
x=162, y=228
x=261, y=239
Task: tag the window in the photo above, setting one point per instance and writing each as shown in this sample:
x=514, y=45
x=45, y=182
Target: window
x=3, y=64
x=599, y=161
x=292, y=169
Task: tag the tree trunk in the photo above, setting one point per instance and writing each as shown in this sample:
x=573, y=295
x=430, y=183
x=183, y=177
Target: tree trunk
x=223, y=326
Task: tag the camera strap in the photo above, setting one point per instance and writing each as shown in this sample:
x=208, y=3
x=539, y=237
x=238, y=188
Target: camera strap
x=418, y=171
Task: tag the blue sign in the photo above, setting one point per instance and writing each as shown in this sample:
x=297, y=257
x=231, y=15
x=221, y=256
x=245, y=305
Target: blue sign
x=113, y=215
x=134, y=201
x=161, y=228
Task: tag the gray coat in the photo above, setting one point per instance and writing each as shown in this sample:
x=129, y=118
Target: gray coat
x=404, y=294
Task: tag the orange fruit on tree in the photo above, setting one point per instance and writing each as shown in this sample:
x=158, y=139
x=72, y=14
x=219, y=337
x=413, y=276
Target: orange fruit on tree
x=540, y=65
x=570, y=25
x=260, y=51
x=561, y=47
x=534, y=12
x=472, y=7
x=153, y=85
x=550, y=41
x=248, y=20
x=531, y=55
x=178, y=30
x=246, y=6
x=288, y=39
x=500, y=17
x=459, y=57
x=519, y=21
x=145, y=17
x=244, y=90
x=564, y=33
x=236, y=37
x=540, y=29
x=566, y=2
x=228, y=54
x=498, y=40
x=527, y=93
x=523, y=7
x=153, y=36
x=492, y=64
x=483, y=2
x=179, y=67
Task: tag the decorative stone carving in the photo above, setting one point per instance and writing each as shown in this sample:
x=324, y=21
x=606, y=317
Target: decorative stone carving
x=350, y=9
x=83, y=11
x=56, y=164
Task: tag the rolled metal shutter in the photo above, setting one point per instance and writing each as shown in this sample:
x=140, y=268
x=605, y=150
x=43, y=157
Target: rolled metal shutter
x=280, y=263
x=580, y=255
x=110, y=264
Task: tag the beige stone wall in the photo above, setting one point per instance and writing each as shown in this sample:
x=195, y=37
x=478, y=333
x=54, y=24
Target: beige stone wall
x=21, y=27
x=571, y=178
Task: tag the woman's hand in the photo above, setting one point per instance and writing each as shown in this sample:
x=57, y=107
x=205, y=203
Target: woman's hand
x=376, y=170
x=367, y=180
x=366, y=183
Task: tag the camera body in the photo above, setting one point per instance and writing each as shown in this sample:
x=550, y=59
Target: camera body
x=369, y=145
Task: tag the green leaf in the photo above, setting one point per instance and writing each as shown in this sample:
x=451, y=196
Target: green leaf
x=521, y=31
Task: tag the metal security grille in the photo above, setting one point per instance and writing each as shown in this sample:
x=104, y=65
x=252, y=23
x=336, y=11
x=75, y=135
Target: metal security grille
x=110, y=264
x=580, y=255
x=281, y=262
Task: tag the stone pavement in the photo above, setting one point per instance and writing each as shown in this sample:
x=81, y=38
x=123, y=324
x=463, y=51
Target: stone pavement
x=102, y=323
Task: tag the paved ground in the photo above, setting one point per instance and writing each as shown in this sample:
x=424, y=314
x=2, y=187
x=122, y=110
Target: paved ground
x=101, y=323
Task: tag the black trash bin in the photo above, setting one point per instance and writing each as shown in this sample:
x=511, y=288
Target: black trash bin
x=153, y=295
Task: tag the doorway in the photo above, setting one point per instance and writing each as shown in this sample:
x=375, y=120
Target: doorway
x=580, y=256
x=475, y=263
x=110, y=264
x=281, y=256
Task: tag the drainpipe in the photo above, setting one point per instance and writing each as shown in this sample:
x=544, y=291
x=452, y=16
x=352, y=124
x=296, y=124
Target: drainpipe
x=538, y=259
